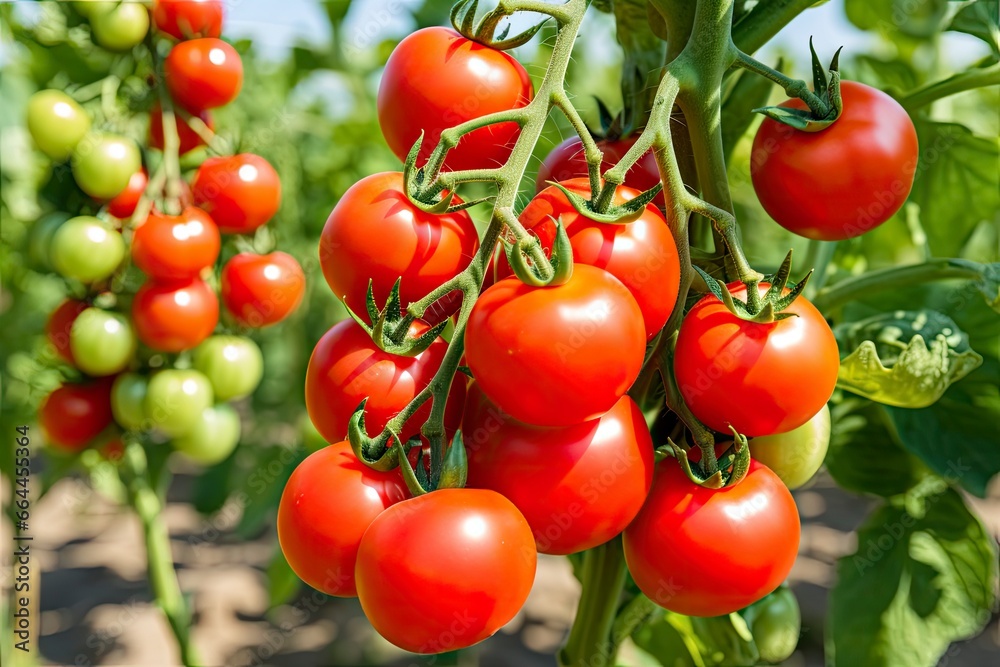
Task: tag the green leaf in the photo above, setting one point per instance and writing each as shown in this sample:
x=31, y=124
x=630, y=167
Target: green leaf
x=678, y=641
x=643, y=59
x=894, y=75
x=282, y=582
x=919, y=19
x=748, y=93
x=980, y=19
x=917, y=582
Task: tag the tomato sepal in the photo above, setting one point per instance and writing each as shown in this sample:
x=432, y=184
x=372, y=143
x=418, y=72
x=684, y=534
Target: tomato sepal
x=617, y=214
x=827, y=90
x=463, y=19
x=561, y=260
x=391, y=327
x=373, y=452
x=758, y=308
x=455, y=470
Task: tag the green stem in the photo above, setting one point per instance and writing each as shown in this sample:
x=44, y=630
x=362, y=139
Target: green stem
x=591, y=152
x=818, y=258
x=590, y=643
x=792, y=87
x=765, y=20
x=631, y=617
x=968, y=80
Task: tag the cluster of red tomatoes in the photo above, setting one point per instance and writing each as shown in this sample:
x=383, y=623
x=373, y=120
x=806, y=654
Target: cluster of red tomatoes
x=126, y=343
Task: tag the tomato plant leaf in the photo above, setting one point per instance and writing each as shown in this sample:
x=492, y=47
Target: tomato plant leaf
x=927, y=579
x=918, y=21
x=980, y=19
x=722, y=641
x=282, y=582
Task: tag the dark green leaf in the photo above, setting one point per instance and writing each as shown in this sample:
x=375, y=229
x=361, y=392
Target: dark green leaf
x=919, y=19
x=894, y=75
x=980, y=19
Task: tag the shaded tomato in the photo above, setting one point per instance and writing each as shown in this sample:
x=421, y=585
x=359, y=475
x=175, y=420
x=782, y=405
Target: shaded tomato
x=436, y=79
x=795, y=456
x=203, y=73
x=174, y=316
x=567, y=161
x=123, y=204
x=445, y=570
x=844, y=180
x=176, y=247
x=60, y=323
x=74, y=414
x=426, y=249
x=577, y=486
x=709, y=552
x=240, y=192
x=184, y=19
x=189, y=139
x=328, y=503
x=259, y=290
x=556, y=356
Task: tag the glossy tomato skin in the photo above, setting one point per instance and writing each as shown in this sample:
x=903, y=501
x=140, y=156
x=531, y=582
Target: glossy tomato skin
x=123, y=205
x=189, y=139
x=567, y=161
x=240, y=192
x=795, y=456
x=74, y=414
x=259, y=290
x=760, y=378
x=581, y=344
x=328, y=503
x=103, y=164
x=842, y=181
x=641, y=254
x=426, y=250
x=176, y=247
x=577, y=486
x=709, y=552
x=346, y=367
x=174, y=316
x=445, y=570
x=203, y=73
x=436, y=79
x=184, y=19
x=60, y=323
x=56, y=122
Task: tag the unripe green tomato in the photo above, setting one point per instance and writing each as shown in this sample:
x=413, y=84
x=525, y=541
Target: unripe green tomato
x=103, y=164
x=213, y=437
x=128, y=401
x=311, y=438
x=86, y=248
x=175, y=400
x=795, y=456
x=56, y=123
x=92, y=8
x=776, y=625
x=233, y=364
x=40, y=238
x=102, y=342
x=122, y=28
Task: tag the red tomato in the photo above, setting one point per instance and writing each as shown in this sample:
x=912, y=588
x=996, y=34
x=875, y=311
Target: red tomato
x=176, y=247
x=74, y=414
x=426, y=249
x=346, y=367
x=174, y=316
x=760, y=378
x=577, y=486
x=567, y=161
x=123, y=204
x=641, y=254
x=240, y=192
x=59, y=324
x=556, y=356
x=436, y=79
x=709, y=552
x=185, y=19
x=189, y=139
x=203, y=73
x=445, y=570
x=842, y=181
x=259, y=290
x=328, y=503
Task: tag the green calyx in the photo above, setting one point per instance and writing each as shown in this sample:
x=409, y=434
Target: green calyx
x=463, y=19
x=825, y=102
x=561, y=260
x=760, y=308
x=733, y=465
x=452, y=474
x=416, y=187
x=373, y=452
x=390, y=327
x=600, y=209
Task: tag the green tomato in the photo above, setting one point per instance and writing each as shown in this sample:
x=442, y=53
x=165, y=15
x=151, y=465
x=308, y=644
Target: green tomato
x=102, y=342
x=795, y=456
x=92, y=8
x=775, y=623
x=233, y=364
x=311, y=438
x=121, y=28
x=175, y=400
x=56, y=123
x=86, y=248
x=40, y=238
x=128, y=401
x=213, y=437
x=103, y=164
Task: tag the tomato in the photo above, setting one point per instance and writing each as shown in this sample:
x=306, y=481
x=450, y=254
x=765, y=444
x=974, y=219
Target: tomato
x=175, y=400
x=87, y=249
x=212, y=438
x=56, y=122
x=121, y=28
x=128, y=401
x=709, y=552
x=74, y=414
x=176, y=247
x=775, y=623
x=760, y=378
x=123, y=205
x=579, y=346
x=240, y=192
x=175, y=316
x=842, y=181
x=103, y=164
x=436, y=79
x=426, y=251
x=328, y=503
x=59, y=325
x=233, y=364
x=346, y=367
x=577, y=486
x=445, y=570
x=567, y=161
x=203, y=73
x=797, y=455
x=641, y=254
x=102, y=342
x=185, y=19
x=91, y=8
x=189, y=139
x=259, y=290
